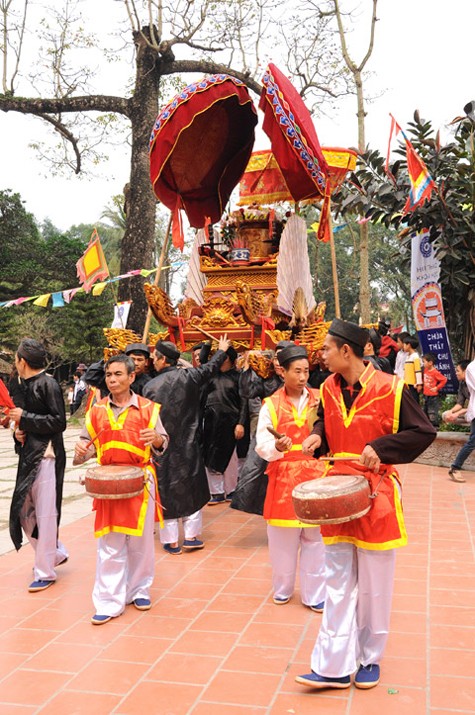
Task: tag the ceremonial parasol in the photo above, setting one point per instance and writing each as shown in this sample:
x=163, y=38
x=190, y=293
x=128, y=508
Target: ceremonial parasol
x=200, y=146
x=294, y=141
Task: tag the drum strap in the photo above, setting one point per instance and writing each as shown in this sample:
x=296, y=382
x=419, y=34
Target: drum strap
x=375, y=492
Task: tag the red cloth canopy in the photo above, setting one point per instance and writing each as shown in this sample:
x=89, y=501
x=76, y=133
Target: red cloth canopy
x=294, y=141
x=200, y=147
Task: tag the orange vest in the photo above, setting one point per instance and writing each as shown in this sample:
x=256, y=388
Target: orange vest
x=374, y=413
x=118, y=442
x=295, y=467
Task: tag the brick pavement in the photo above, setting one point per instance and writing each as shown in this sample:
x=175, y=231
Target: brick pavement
x=214, y=642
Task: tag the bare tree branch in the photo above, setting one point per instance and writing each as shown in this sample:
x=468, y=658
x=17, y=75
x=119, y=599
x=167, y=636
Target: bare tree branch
x=64, y=131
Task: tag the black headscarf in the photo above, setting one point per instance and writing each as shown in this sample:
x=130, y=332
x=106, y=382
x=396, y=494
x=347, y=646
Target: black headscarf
x=33, y=352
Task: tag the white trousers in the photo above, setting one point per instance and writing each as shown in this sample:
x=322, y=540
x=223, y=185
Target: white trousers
x=125, y=567
x=355, y=624
x=284, y=545
x=224, y=482
x=39, y=509
x=192, y=526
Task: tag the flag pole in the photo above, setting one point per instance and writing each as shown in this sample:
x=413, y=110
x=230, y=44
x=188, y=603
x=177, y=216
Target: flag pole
x=336, y=289
x=161, y=261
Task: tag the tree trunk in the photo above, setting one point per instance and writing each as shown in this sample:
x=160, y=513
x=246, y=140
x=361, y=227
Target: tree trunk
x=137, y=249
x=365, y=309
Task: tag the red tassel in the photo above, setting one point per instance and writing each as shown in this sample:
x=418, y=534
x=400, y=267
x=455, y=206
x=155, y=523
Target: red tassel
x=178, y=237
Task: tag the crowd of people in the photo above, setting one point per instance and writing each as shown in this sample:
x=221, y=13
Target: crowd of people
x=210, y=434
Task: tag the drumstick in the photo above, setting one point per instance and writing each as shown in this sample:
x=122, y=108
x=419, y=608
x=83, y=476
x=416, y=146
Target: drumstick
x=277, y=435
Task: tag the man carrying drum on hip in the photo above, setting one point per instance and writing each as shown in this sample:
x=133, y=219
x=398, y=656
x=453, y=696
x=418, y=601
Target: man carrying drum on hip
x=122, y=429
x=370, y=416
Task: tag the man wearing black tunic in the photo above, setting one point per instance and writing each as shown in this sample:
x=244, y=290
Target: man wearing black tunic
x=182, y=481
x=36, y=502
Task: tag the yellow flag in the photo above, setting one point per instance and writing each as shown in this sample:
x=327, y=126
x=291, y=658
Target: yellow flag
x=42, y=300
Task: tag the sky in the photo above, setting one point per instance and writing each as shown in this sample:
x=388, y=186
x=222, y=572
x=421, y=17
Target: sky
x=423, y=59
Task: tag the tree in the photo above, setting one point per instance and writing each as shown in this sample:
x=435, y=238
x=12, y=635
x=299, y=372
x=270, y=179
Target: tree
x=449, y=215
x=20, y=256
x=223, y=36
x=356, y=70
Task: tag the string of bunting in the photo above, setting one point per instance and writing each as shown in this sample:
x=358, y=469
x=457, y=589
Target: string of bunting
x=63, y=297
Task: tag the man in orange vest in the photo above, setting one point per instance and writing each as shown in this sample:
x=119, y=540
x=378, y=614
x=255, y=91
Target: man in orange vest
x=370, y=416
x=291, y=412
x=123, y=427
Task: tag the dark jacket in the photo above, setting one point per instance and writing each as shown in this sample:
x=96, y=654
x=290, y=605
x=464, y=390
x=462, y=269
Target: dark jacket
x=43, y=419
x=223, y=411
x=182, y=480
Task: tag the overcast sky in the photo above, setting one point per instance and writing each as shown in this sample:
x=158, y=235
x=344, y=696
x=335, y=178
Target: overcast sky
x=423, y=58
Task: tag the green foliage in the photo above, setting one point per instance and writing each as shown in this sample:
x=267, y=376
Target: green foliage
x=21, y=247
x=449, y=216
x=389, y=280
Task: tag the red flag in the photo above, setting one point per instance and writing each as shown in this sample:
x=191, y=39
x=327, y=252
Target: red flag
x=92, y=265
x=422, y=184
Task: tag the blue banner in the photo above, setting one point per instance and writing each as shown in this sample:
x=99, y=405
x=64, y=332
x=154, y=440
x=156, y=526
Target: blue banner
x=427, y=307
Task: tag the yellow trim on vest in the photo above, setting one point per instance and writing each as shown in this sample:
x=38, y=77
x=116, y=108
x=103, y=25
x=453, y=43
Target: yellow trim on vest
x=295, y=448
x=397, y=405
x=294, y=523
x=385, y=545
x=126, y=447
x=272, y=411
x=127, y=530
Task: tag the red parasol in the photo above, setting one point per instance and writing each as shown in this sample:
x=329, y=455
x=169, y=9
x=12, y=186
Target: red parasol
x=200, y=146
x=294, y=141
x=5, y=399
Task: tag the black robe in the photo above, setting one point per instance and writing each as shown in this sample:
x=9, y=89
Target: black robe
x=182, y=480
x=43, y=419
x=223, y=411
x=250, y=492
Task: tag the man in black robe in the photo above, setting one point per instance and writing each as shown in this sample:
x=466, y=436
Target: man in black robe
x=140, y=354
x=251, y=488
x=36, y=502
x=181, y=472
x=225, y=415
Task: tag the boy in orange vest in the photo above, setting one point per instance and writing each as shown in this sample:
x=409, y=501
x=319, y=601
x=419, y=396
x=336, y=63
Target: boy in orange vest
x=291, y=412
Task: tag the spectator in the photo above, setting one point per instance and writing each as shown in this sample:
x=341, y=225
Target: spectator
x=456, y=415
x=434, y=381
x=469, y=446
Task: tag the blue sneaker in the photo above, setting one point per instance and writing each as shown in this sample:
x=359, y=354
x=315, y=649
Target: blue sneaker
x=39, y=585
x=367, y=676
x=318, y=608
x=174, y=550
x=142, y=604
x=314, y=680
x=192, y=544
x=281, y=600
x=217, y=499
x=98, y=620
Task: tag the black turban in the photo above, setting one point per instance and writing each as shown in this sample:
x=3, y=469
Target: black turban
x=137, y=348
x=33, y=353
x=349, y=332
x=168, y=349
x=284, y=344
x=291, y=353
x=198, y=346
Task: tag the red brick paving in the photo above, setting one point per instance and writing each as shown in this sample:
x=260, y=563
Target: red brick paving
x=214, y=643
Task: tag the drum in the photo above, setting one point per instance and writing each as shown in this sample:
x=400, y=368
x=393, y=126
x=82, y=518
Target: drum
x=332, y=500
x=114, y=482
